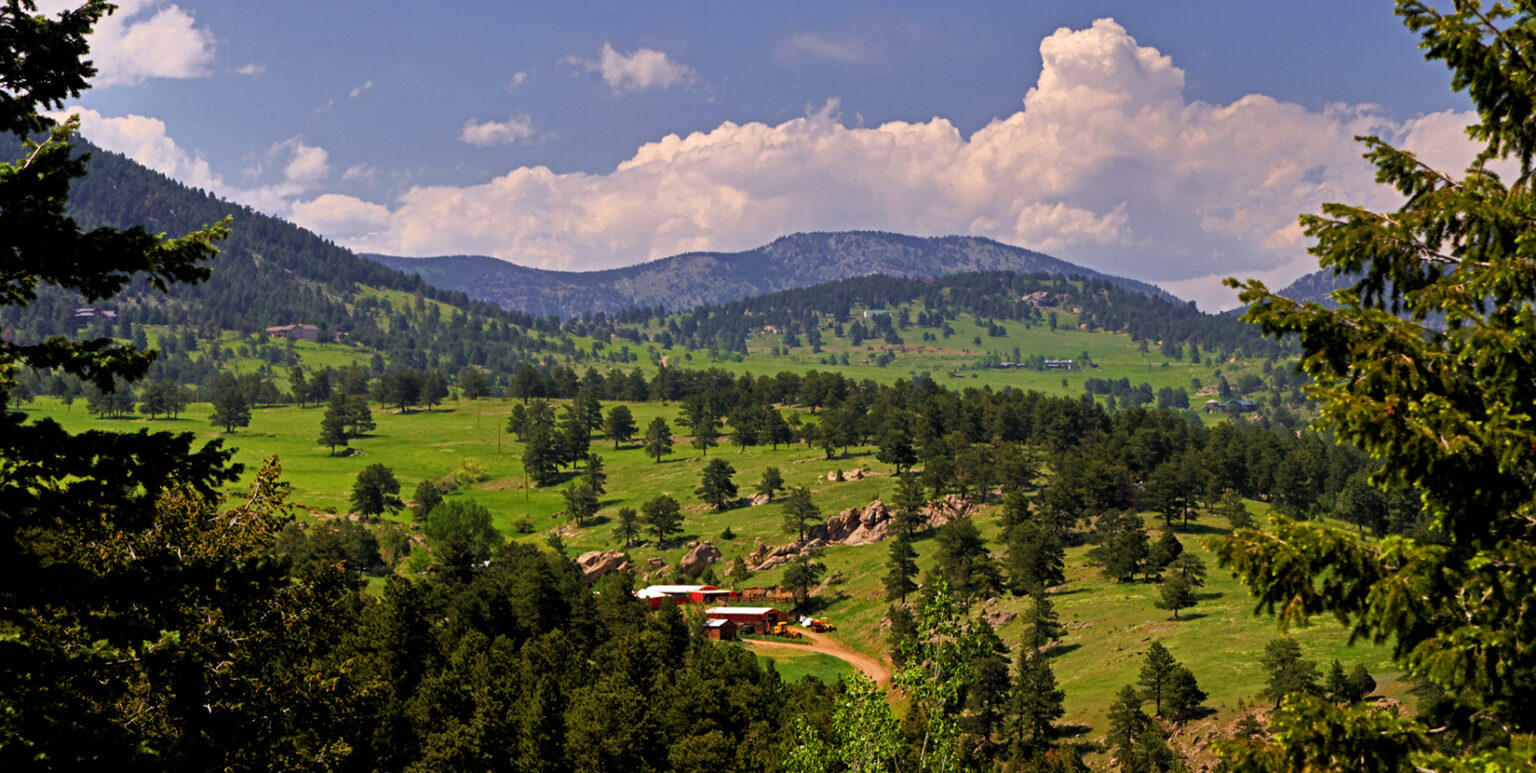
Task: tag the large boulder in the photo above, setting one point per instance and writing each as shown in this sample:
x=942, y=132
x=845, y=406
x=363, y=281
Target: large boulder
x=855, y=526
x=702, y=555
x=596, y=563
x=942, y=511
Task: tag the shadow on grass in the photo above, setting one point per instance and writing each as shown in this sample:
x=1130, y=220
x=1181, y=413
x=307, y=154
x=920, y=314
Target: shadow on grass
x=1186, y=617
x=1062, y=649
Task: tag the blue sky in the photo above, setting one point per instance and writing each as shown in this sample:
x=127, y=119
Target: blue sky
x=1174, y=142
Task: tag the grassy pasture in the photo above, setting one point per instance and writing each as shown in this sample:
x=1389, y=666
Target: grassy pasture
x=1109, y=624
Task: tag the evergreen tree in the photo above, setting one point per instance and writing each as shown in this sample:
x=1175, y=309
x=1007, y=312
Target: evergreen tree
x=775, y=429
x=1122, y=550
x=1041, y=626
x=230, y=408
x=298, y=386
x=716, y=488
x=1164, y=551
x=1035, y=703
x=375, y=490
x=1035, y=559
x=801, y=573
x=800, y=510
x=619, y=425
x=663, y=516
x=1182, y=693
x=434, y=388
x=963, y=561
x=580, y=501
x=1176, y=594
x=1127, y=723
x=594, y=475
x=426, y=497
x=472, y=383
x=541, y=453
x=902, y=565
x=770, y=483
x=1286, y=672
x=658, y=439
x=627, y=525
x=1156, y=675
x=359, y=418
x=910, y=500
x=332, y=431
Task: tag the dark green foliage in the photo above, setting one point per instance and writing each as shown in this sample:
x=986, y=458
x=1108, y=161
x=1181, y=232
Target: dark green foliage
x=1036, y=558
x=1035, y=703
x=619, y=425
x=1127, y=723
x=581, y=501
x=964, y=562
x=1122, y=549
x=663, y=516
x=900, y=578
x=1041, y=626
x=1183, y=694
x=464, y=525
x=800, y=511
x=336, y=541
x=230, y=408
x=801, y=574
x=1176, y=594
x=627, y=525
x=716, y=488
x=658, y=438
x=333, y=428
x=909, y=502
x=771, y=482
x=1286, y=672
x=425, y=499
x=375, y=490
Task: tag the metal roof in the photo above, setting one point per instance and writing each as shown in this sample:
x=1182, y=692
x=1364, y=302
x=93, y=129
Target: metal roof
x=755, y=611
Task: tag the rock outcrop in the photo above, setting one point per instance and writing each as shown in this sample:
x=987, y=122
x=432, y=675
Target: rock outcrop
x=855, y=526
x=596, y=563
x=702, y=555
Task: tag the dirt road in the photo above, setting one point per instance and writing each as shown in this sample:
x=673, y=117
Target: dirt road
x=826, y=645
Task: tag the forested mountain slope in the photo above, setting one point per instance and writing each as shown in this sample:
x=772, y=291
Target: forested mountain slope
x=699, y=278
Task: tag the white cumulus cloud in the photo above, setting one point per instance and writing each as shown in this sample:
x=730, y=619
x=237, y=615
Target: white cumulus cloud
x=1107, y=163
x=144, y=39
x=643, y=68
x=518, y=127
x=251, y=69
x=360, y=90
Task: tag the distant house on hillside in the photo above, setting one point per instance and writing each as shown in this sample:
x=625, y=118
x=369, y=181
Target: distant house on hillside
x=872, y=313
x=295, y=332
x=1059, y=364
x=1231, y=406
x=85, y=316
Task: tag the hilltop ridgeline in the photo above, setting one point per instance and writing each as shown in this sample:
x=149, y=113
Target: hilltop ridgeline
x=712, y=278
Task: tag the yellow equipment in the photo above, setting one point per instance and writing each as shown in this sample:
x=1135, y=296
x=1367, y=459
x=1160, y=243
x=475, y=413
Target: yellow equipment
x=783, y=629
x=822, y=625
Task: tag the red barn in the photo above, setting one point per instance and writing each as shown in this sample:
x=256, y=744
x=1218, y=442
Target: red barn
x=683, y=594
x=748, y=619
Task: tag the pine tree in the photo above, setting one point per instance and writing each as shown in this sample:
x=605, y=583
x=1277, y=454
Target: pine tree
x=333, y=432
x=716, y=488
x=1035, y=557
x=627, y=525
x=230, y=408
x=1035, y=703
x=658, y=439
x=902, y=566
x=1156, y=674
x=1127, y=723
x=375, y=490
x=426, y=497
x=770, y=483
x=799, y=511
x=619, y=425
x=663, y=516
x=910, y=499
x=1176, y=594
x=1041, y=626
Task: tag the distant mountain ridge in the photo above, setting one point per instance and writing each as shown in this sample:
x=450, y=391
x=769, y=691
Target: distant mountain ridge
x=699, y=278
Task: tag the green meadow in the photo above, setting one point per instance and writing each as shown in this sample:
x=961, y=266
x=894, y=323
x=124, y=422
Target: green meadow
x=1109, y=624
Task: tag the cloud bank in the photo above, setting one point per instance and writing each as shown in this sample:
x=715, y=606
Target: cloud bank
x=145, y=39
x=1107, y=164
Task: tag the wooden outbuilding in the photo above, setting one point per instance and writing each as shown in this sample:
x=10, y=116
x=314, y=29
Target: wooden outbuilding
x=720, y=630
